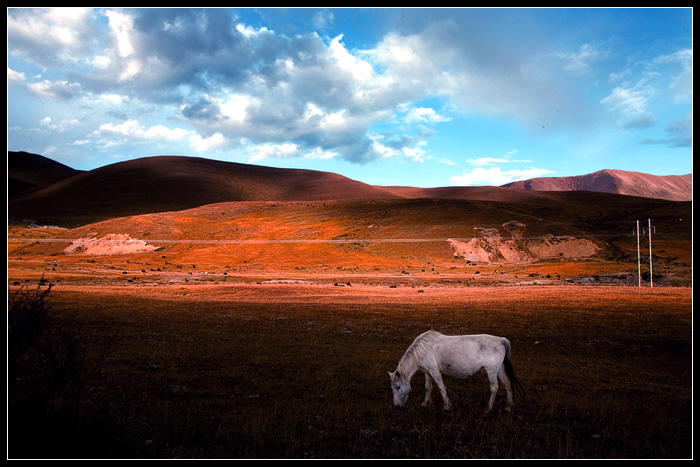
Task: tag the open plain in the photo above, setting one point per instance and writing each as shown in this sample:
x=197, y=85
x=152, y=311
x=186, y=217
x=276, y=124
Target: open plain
x=200, y=359
x=265, y=328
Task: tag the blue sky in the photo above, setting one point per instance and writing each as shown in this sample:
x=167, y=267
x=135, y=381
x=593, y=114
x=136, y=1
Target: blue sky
x=421, y=97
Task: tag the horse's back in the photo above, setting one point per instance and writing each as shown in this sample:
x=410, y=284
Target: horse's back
x=466, y=354
x=481, y=341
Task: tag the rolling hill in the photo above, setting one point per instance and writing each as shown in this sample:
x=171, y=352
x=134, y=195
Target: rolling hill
x=56, y=194
x=26, y=171
x=198, y=211
x=171, y=183
x=671, y=187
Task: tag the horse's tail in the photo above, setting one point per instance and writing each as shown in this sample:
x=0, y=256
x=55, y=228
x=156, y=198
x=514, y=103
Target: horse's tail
x=510, y=371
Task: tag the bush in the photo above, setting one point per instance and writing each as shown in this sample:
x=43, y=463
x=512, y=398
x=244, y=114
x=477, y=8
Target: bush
x=48, y=381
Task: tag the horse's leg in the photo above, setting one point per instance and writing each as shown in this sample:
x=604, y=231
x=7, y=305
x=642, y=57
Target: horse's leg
x=428, y=391
x=493, y=385
x=437, y=377
x=506, y=382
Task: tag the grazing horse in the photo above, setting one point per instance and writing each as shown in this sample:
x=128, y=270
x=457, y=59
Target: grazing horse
x=458, y=356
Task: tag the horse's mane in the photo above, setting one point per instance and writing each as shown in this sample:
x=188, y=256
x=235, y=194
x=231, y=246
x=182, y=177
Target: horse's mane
x=417, y=350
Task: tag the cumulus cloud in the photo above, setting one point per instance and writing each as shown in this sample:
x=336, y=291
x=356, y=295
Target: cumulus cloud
x=487, y=171
x=495, y=176
x=202, y=144
x=216, y=82
x=227, y=78
x=223, y=77
x=424, y=115
x=14, y=77
x=54, y=90
x=132, y=128
x=50, y=36
x=60, y=126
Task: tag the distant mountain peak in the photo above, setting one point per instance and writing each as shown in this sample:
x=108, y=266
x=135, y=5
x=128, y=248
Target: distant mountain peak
x=670, y=187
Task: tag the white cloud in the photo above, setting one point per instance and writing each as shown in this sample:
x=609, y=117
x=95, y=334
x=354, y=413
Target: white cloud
x=627, y=101
x=506, y=158
x=122, y=30
x=486, y=161
x=424, y=115
x=579, y=62
x=486, y=171
x=50, y=36
x=308, y=95
x=318, y=153
x=360, y=70
x=54, y=90
x=242, y=82
x=495, y=176
x=61, y=126
x=215, y=141
x=235, y=106
x=267, y=151
x=14, y=77
x=413, y=154
x=132, y=129
x=249, y=31
x=404, y=149
x=112, y=99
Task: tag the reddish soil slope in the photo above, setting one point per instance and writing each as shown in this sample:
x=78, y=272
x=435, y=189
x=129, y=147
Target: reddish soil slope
x=672, y=187
x=417, y=236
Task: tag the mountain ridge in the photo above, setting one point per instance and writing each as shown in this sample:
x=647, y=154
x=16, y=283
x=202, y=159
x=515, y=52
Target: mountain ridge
x=153, y=184
x=670, y=187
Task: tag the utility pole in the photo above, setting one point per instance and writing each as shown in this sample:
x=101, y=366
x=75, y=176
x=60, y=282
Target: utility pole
x=651, y=275
x=639, y=264
x=639, y=261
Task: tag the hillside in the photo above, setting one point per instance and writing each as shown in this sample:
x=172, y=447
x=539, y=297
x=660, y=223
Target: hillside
x=63, y=196
x=671, y=187
x=258, y=220
x=169, y=183
x=582, y=234
x=26, y=171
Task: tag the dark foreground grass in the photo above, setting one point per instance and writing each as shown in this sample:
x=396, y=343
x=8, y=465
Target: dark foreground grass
x=606, y=375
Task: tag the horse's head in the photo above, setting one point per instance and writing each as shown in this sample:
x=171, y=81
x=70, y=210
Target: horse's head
x=400, y=386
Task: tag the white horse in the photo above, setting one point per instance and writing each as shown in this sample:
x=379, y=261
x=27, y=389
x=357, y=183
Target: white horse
x=458, y=356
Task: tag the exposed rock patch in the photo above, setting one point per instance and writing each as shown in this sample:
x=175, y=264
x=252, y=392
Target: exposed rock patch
x=489, y=246
x=110, y=244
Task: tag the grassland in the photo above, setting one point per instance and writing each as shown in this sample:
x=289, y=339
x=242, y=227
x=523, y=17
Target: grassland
x=266, y=330
x=286, y=369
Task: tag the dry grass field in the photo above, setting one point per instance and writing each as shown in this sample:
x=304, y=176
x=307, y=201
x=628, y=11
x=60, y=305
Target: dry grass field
x=288, y=369
x=232, y=319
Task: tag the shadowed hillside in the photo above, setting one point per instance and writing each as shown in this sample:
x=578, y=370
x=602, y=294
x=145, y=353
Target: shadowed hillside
x=26, y=171
x=66, y=197
x=168, y=183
